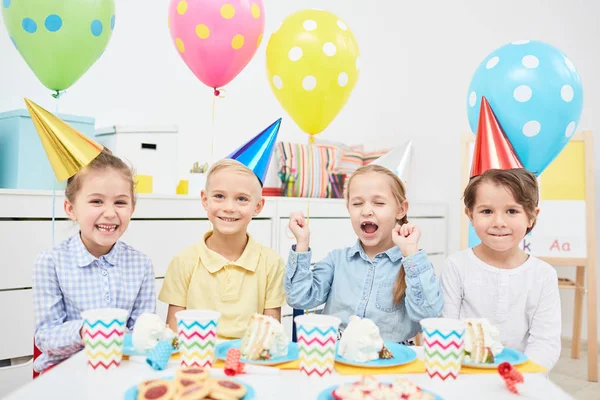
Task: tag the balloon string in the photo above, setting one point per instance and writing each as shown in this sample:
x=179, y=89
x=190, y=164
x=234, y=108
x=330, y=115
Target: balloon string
x=220, y=94
x=56, y=96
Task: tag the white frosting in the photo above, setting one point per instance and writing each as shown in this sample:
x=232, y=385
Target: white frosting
x=491, y=336
x=264, y=333
x=360, y=341
x=148, y=330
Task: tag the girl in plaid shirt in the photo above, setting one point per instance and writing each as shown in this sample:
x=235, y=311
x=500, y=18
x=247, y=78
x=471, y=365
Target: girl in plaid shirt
x=92, y=269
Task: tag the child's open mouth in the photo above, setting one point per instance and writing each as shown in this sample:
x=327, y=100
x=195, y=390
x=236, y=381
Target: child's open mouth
x=369, y=227
x=106, y=228
x=228, y=219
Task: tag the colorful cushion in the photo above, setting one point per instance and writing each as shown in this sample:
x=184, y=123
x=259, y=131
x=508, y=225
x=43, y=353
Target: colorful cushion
x=351, y=158
x=369, y=157
x=305, y=169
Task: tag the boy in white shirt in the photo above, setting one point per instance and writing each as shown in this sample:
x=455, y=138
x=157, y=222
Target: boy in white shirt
x=516, y=292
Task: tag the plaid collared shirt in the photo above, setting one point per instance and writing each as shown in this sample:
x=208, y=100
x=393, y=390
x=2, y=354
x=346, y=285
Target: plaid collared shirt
x=68, y=280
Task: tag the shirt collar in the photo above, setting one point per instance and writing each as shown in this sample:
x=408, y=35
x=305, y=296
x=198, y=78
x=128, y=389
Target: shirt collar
x=213, y=261
x=84, y=258
x=393, y=253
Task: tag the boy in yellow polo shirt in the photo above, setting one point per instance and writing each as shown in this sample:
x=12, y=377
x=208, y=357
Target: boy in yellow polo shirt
x=227, y=270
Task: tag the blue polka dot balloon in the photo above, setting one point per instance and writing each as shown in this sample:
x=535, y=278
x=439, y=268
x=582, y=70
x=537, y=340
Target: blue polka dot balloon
x=535, y=92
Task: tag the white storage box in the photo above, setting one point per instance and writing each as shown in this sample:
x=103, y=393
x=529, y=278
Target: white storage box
x=150, y=150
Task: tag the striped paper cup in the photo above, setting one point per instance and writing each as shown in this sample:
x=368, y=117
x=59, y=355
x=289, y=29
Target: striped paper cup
x=197, y=332
x=103, y=334
x=317, y=336
x=443, y=345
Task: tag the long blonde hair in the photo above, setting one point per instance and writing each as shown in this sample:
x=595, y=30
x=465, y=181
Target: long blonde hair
x=399, y=193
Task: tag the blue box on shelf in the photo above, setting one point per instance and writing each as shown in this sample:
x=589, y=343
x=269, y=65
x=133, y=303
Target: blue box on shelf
x=23, y=160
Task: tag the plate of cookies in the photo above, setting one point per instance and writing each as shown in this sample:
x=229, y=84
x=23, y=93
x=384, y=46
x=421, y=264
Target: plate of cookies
x=191, y=384
x=368, y=387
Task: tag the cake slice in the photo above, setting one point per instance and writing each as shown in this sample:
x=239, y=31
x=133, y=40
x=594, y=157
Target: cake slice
x=361, y=341
x=264, y=339
x=481, y=341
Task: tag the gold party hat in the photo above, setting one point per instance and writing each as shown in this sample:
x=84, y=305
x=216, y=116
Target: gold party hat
x=68, y=150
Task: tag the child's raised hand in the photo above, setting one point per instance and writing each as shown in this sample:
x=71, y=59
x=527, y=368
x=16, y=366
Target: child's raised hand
x=406, y=237
x=299, y=227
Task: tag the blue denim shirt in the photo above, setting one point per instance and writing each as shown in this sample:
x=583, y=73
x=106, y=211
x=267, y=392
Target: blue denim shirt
x=349, y=283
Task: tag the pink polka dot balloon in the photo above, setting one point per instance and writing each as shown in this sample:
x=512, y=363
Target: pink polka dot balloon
x=216, y=38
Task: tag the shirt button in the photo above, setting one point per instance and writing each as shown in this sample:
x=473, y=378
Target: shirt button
x=104, y=272
x=107, y=297
x=365, y=298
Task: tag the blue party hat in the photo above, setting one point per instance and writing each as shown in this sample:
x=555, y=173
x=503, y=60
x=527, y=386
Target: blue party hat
x=256, y=154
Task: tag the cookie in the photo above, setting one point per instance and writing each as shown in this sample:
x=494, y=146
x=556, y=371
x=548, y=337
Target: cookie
x=194, y=392
x=195, y=374
x=226, y=389
x=157, y=390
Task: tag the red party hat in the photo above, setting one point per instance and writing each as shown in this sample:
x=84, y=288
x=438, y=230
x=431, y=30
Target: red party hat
x=493, y=150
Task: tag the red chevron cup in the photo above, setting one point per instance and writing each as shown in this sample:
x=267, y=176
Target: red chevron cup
x=443, y=346
x=103, y=334
x=317, y=336
x=197, y=332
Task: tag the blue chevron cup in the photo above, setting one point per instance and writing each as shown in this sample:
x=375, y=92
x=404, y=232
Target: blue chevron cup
x=317, y=336
x=443, y=343
x=103, y=331
x=197, y=333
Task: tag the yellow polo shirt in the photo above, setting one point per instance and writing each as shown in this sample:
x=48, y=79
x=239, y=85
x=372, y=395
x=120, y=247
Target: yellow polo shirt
x=199, y=278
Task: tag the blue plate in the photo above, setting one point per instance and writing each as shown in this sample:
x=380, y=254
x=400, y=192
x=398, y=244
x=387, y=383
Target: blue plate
x=129, y=350
x=402, y=355
x=514, y=357
x=326, y=394
x=132, y=393
x=221, y=353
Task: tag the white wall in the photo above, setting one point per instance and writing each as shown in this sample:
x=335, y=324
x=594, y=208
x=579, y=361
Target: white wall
x=417, y=59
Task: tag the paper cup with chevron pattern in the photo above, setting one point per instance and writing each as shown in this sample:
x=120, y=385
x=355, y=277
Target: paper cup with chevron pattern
x=103, y=335
x=317, y=336
x=443, y=344
x=197, y=332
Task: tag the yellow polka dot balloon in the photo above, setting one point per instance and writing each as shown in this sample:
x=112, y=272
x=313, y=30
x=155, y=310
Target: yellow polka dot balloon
x=312, y=66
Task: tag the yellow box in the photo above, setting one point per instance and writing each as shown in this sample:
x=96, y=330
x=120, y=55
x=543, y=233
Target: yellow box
x=182, y=188
x=143, y=184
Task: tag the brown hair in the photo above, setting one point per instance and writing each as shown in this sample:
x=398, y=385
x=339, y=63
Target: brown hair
x=232, y=165
x=105, y=159
x=399, y=193
x=521, y=183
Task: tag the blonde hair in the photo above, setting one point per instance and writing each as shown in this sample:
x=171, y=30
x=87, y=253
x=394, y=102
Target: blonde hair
x=521, y=183
x=104, y=160
x=399, y=193
x=229, y=164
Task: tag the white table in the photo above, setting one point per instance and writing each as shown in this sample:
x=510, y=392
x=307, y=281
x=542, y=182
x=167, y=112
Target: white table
x=74, y=380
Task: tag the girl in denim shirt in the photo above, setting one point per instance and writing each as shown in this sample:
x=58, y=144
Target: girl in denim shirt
x=384, y=277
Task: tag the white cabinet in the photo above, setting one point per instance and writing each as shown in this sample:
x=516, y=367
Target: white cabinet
x=325, y=235
x=161, y=308
x=16, y=314
x=153, y=151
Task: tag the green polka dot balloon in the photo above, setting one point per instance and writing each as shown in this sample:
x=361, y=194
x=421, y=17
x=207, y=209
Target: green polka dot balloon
x=59, y=39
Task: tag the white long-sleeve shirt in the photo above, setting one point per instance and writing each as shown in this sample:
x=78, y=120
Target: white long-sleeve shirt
x=523, y=302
